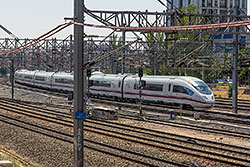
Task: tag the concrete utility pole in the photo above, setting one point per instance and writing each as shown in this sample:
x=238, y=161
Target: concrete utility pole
x=79, y=78
x=235, y=61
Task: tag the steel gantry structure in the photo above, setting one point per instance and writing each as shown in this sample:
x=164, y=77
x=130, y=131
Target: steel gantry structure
x=50, y=54
x=173, y=49
x=56, y=54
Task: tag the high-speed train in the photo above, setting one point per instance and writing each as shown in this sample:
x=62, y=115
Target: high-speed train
x=185, y=90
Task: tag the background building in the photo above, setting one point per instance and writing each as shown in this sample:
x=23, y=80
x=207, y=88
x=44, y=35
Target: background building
x=211, y=6
x=223, y=43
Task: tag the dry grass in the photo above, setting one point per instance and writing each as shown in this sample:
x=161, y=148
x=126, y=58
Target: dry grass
x=221, y=91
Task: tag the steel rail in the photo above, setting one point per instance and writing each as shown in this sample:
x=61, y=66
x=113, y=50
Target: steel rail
x=157, y=121
x=91, y=141
x=16, y=157
x=176, y=146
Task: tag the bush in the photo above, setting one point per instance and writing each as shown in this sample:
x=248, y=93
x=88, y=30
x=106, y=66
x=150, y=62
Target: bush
x=230, y=90
x=3, y=71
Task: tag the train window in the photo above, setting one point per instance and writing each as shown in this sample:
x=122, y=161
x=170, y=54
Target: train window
x=182, y=89
x=201, y=87
x=68, y=81
x=28, y=76
x=151, y=87
x=64, y=81
x=169, y=87
x=190, y=92
x=38, y=78
x=19, y=75
x=102, y=83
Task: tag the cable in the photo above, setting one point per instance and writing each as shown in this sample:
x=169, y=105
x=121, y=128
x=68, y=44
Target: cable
x=174, y=28
x=42, y=37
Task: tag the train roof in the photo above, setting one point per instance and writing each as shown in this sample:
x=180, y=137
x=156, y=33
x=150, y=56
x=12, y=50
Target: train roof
x=25, y=72
x=63, y=74
x=98, y=74
x=185, y=78
x=158, y=77
x=44, y=73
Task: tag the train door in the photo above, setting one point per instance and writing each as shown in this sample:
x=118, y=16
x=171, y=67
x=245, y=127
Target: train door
x=122, y=87
x=181, y=93
x=169, y=90
x=51, y=81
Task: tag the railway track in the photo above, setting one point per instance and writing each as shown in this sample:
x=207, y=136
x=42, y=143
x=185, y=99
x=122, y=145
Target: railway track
x=232, y=155
x=220, y=103
x=153, y=118
x=19, y=160
x=212, y=114
x=69, y=137
x=226, y=117
x=226, y=103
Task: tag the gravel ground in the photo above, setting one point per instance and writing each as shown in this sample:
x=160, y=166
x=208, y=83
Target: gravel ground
x=49, y=152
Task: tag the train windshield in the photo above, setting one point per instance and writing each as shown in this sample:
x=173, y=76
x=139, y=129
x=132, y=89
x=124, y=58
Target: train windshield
x=201, y=87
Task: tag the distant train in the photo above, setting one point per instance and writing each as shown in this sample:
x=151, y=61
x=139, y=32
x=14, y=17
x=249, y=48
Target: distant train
x=188, y=91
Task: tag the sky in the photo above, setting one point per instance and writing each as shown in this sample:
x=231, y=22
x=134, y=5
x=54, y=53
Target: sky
x=32, y=18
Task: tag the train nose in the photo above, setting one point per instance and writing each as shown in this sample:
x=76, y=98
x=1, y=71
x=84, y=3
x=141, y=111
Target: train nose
x=212, y=97
x=209, y=98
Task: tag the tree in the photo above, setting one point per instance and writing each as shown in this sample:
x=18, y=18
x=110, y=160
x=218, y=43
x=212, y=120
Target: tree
x=158, y=47
x=115, y=42
x=244, y=54
x=154, y=45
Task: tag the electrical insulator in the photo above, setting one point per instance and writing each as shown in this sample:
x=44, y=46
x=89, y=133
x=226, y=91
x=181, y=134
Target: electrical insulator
x=140, y=72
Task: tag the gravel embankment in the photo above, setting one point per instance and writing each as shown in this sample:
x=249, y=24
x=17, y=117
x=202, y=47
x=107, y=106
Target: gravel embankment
x=49, y=152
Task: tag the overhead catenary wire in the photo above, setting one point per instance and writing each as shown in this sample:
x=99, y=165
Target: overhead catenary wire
x=37, y=40
x=162, y=29
x=8, y=31
x=175, y=28
x=90, y=63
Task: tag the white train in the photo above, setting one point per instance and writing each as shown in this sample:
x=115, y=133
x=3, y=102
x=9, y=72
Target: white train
x=188, y=91
x=50, y=80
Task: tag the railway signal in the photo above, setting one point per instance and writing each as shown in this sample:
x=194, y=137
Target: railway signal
x=140, y=72
x=88, y=72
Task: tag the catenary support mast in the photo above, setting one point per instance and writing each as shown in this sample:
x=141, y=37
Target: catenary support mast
x=79, y=103
x=235, y=62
